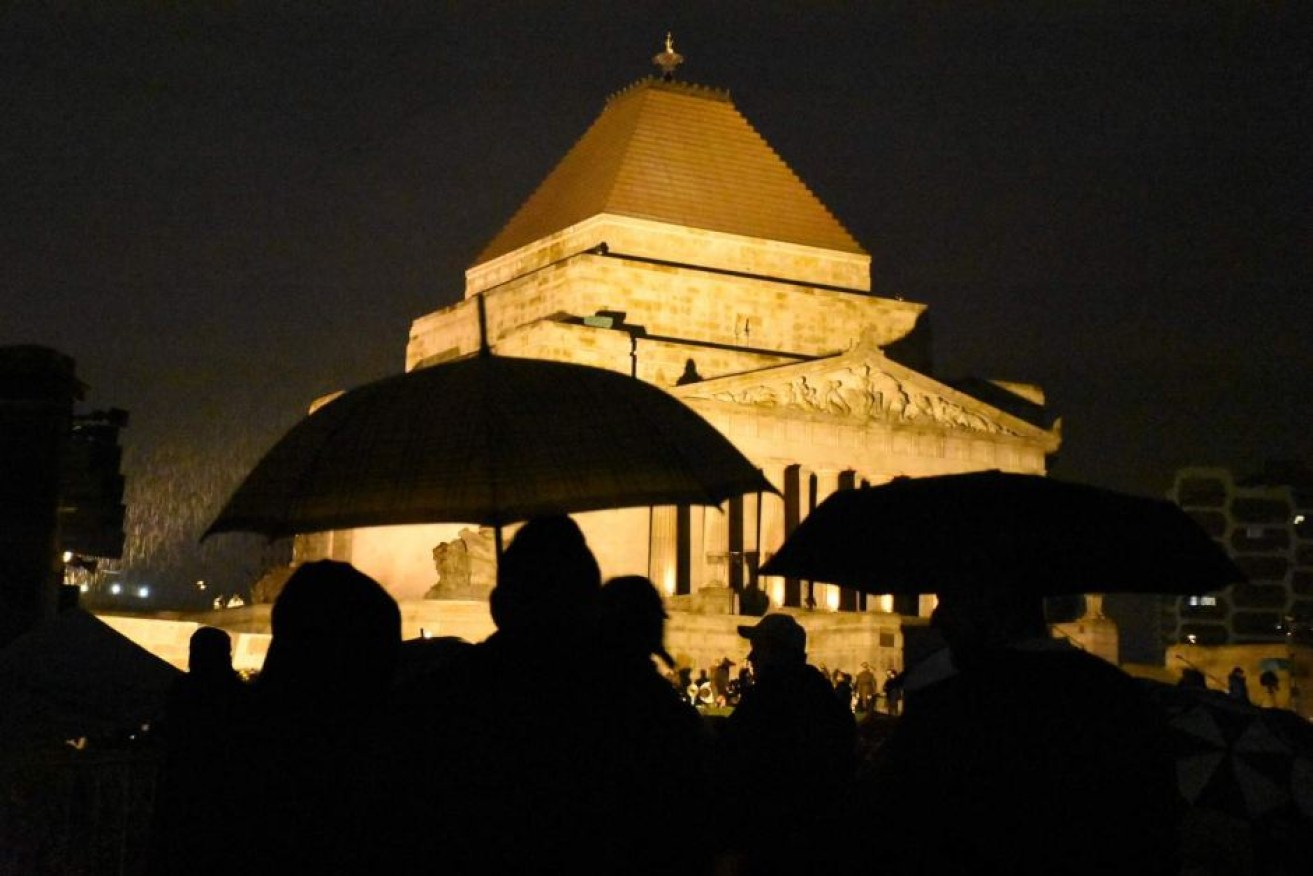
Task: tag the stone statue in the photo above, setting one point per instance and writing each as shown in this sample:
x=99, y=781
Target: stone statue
x=466, y=566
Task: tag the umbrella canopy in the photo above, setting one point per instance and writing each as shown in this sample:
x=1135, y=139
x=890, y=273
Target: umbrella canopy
x=490, y=440
x=1048, y=537
x=74, y=675
x=1236, y=758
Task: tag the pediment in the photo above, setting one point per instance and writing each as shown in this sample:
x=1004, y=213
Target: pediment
x=865, y=385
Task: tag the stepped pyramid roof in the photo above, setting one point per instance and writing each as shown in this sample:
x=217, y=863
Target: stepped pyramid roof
x=678, y=153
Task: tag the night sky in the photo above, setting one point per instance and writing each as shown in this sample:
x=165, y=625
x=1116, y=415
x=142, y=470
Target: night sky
x=223, y=211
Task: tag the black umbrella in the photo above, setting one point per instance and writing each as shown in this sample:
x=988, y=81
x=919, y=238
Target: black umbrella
x=1239, y=761
x=489, y=440
x=1050, y=537
x=74, y=675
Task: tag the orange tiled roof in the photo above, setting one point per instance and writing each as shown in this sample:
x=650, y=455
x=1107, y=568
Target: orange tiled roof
x=677, y=153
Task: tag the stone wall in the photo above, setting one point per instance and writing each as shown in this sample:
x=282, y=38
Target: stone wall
x=674, y=243
x=670, y=301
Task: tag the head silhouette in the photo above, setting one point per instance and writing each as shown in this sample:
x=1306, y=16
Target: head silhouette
x=336, y=633
x=633, y=617
x=546, y=576
x=779, y=643
x=976, y=620
x=210, y=652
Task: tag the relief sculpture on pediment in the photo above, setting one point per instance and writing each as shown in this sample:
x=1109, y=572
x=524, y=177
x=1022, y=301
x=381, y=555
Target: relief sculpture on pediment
x=862, y=392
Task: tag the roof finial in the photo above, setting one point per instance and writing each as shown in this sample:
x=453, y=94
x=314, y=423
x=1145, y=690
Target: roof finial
x=669, y=59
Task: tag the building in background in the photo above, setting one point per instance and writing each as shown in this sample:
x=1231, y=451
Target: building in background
x=672, y=243
x=1265, y=522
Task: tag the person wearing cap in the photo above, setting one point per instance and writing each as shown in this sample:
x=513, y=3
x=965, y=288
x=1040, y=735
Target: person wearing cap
x=633, y=619
x=656, y=749
x=788, y=751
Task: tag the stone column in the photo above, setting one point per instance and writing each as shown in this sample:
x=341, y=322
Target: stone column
x=698, y=573
x=806, y=590
x=826, y=595
x=751, y=522
x=662, y=548
x=716, y=546
x=772, y=528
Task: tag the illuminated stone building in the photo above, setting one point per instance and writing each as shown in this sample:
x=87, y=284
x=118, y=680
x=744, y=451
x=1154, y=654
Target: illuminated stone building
x=672, y=243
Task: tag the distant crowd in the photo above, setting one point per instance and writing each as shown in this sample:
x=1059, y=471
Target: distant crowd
x=718, y=687
x=557, y=746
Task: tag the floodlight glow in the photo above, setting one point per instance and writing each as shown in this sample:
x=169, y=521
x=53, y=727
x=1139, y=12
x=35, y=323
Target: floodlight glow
x=68, y=556
x=143, y=592
x=116, y=589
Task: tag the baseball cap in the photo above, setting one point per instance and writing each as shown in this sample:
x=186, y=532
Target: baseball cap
x=779, y=629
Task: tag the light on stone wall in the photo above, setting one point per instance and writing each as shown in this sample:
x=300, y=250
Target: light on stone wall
x=885, y=602
x=668, y=582
x=832, y=597
x=776, y=591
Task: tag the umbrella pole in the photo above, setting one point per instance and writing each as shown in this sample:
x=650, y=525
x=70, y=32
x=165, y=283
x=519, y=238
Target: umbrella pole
x=497, y=542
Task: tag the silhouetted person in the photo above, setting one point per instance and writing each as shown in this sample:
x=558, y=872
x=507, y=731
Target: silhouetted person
x=207, y=698
x=202, y=710
x=526, y=757
x=657, y=746
x=1237, y=686
x=304, y=774
x=633, y=621
x=1018, y=753
x=788, y=753
x=893, y=691
x=843, y=690
x=720, y=681
x=1192, y=678
x=1268, y=679
x=866, y=690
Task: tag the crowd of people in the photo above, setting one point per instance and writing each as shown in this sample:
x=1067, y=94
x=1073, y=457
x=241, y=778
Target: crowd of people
x=719, y=687
x=557, y=746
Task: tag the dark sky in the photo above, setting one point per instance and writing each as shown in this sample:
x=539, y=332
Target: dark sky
x=223, y=211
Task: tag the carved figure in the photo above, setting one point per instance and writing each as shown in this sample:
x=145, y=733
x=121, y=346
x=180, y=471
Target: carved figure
x=465, y=567
x=802, y=394
x=835, y=403
x=856, y=391
x=891, y=399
